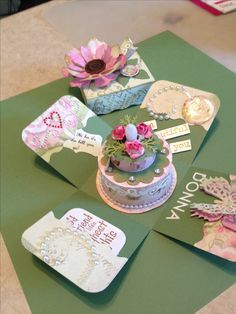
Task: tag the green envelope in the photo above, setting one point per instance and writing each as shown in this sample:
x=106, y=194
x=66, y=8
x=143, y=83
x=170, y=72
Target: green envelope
x=163, y=276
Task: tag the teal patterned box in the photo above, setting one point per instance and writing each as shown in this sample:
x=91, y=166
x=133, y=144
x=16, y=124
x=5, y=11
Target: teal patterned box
x=130, y=88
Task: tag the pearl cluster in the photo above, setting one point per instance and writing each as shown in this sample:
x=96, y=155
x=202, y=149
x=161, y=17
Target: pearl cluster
x=164, y=115
x=55, y=255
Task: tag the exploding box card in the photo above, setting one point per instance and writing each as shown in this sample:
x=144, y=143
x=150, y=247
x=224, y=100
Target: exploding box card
x=110, y=78
x=68, y=136
x=83, y=242
x=203, y=212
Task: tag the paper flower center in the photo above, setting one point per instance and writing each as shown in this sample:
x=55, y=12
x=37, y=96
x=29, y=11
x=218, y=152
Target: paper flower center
x=95, y=66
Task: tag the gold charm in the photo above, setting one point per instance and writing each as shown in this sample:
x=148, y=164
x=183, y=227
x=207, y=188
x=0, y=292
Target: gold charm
x=197, y=110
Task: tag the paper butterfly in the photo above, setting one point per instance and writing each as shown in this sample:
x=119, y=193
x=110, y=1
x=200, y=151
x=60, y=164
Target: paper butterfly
x=224, y=208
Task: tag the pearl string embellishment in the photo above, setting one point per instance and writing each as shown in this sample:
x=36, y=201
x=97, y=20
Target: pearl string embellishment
x=55, y=255
x=165, y=115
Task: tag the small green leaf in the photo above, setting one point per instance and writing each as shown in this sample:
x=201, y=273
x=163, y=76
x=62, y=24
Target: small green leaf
x=142, y=75
x=127, y=120
x=132, y=62
x=123, y=80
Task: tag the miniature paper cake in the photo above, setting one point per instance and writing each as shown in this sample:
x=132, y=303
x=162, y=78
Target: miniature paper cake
x=135, y=172
x=110, y=78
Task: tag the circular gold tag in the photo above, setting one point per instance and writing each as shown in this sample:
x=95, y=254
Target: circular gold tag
x=197, y=110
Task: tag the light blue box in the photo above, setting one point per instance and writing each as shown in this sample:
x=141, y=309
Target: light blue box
x=122, y=93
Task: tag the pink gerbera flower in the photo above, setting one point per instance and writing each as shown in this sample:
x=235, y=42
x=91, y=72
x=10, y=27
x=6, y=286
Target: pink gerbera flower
x=97, y=62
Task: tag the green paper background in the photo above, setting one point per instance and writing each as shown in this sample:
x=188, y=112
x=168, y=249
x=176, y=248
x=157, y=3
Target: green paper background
x=187, y=229
x=135, y=232
x=163, y=276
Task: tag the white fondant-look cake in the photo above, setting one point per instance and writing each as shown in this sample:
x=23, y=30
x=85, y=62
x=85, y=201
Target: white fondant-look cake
x=135, y=170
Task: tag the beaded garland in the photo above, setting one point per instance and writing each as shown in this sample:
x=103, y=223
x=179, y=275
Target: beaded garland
x=196, y=110
x=55, y=245
x=164, y=115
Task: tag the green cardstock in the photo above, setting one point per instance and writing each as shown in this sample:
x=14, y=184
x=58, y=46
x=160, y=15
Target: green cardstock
x=214, y=234
x=162, y=267
x=68, y=136
x=84, y=241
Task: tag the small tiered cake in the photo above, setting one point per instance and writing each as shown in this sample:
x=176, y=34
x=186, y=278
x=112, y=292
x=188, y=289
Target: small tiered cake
x=135, y=172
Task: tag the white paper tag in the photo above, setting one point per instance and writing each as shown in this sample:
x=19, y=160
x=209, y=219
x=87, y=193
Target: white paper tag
x=181, y=146
x=100, y=230
x=85, y=142
x=173, y=132
x=152, y=123
x=224, y=6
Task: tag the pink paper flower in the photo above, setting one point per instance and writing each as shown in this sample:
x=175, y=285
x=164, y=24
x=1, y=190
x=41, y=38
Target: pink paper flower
x=97, y=62
x=118, y=133
x=218, y=240
x=134, y=149
x=144, y=130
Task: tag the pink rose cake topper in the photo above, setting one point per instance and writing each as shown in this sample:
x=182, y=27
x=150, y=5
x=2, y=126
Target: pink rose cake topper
x=134, y=149
x=97, y=62
x=131, y=139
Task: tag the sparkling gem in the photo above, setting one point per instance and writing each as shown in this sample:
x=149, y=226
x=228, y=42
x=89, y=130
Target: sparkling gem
x=94, y=255
x=46, y=259
x=93, y=248
x=155, y=116
x=47, y=239
x=163, y=151
x=110, y=169
x=52, y=234
x=132, y=179
x=58, y=262
x=43, y=245
x=167, y=117
x=43, y=252
x=68, y=230
x=160, y=117
x=96, y=262
x=149, y=109
x=198, y=110
x=151, y=114
x=157, y=171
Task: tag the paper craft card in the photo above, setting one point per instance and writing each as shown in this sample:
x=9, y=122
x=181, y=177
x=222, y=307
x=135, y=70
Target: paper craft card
x=68, y=136
x=217, y=7
x=183, y=116
x=83, y=242
x=203, y=212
